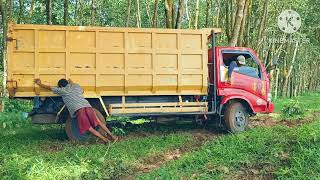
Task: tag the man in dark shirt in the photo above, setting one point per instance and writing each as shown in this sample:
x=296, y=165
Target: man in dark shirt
x=79, y=107
x=241, y=60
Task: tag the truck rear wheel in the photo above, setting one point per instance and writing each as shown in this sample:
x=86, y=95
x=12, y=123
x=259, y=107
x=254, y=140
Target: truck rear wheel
x=72, y=129
x=236, y=117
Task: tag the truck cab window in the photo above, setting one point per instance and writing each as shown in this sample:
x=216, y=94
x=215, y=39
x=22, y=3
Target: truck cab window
x=250, y=68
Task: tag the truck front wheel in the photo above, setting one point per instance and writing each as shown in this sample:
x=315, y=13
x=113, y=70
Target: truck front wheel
x=72, y=129
x=236, y=117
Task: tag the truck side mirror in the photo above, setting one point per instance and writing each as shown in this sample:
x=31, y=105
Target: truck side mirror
x=274, y=64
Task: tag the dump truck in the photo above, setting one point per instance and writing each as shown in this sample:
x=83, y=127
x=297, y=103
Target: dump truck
x=136, y=72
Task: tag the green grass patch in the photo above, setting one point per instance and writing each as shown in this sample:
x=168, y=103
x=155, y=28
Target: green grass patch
x=13, y=120
x=309, y=101
x=297, y=107
x=35, y=152
x=17, y=105
x=278, y=152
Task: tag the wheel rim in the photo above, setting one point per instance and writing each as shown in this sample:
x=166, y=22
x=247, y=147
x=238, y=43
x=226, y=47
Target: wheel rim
x=240, y=119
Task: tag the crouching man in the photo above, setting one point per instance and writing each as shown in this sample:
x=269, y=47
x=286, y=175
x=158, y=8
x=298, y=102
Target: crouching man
x=79, y=107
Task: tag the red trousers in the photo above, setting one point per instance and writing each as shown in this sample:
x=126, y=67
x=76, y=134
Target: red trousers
x=86, y=118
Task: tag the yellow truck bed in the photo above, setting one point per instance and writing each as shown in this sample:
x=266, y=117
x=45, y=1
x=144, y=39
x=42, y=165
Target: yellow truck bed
x=107, y=61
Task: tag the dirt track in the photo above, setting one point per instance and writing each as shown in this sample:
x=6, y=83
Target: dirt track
x=201, y=136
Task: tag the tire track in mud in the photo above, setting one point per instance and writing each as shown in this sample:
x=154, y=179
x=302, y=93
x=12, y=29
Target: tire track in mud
x=268, y=121
x=153, y=162
x=150, y=163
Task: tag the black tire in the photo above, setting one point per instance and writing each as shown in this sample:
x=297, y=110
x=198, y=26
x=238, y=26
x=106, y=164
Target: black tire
x=73, y=133
x=236, y=117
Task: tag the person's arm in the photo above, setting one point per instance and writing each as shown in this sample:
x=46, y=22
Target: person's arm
x=70, y=81
x=38, y=82
x=232, y=65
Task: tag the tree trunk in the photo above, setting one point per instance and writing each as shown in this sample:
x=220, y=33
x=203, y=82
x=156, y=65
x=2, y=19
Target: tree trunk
x=9, y=6
x=207, y=12
x=49, y=11
x=296, y=84
x=217, y=15
x=232, y=14
x=263, y=21
x=138, y=14
x=168, y=11
x=20, y=17
x=188, y=15
x=276, y=84
x=228, y=22
x=174, y=14
x=4, y=24
x=31, y=11
x=287, y=77
x=237, y=24
x=148, y=13
x=65, y=13
x=75, y=17
x=155, y=14
x=180, y=14
x=6, y=13
x=128, y=13
x=243, y=22
x=93, y=12
x=197, y=16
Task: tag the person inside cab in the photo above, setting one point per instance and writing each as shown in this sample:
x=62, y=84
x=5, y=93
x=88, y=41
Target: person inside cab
x=241, y=61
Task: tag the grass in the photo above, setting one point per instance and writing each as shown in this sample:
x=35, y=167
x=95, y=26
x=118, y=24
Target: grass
x=310, y=102
x=276, y=152
x=43, y=152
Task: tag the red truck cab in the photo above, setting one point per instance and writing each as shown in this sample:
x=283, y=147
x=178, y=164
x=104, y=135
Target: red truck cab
x=246, y=92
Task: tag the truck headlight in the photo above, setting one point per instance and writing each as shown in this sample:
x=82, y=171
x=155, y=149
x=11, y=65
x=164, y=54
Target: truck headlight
x=269, y=97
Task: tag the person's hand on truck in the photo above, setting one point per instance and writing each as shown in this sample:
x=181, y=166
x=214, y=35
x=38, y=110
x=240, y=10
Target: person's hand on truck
x=38, y=82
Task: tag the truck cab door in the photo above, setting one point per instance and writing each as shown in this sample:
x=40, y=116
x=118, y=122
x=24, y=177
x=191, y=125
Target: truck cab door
x=247, y=80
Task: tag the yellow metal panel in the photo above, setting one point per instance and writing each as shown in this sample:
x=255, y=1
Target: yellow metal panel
x=52, y=39
x=25, y=39
x=173, y=107
x=159, y=110
x=162, y=40
x=23, y=61
x=52, y=61
x=109, y=61
x=174, y=104
x=110, y=41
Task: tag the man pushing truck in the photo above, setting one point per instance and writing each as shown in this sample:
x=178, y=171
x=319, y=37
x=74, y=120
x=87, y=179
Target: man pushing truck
x=79, y=108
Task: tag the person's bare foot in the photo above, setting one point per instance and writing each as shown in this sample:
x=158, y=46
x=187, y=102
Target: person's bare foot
x=105, y=140
x=114, y=138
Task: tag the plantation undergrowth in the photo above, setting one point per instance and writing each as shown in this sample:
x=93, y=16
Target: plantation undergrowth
x=166, y=151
